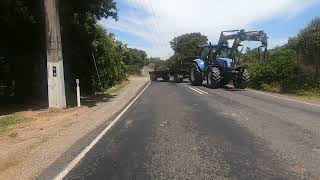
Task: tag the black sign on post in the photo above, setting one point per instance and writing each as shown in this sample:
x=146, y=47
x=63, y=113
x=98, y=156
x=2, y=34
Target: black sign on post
x=54, y=71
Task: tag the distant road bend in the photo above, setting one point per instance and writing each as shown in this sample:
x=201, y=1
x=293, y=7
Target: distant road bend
x=177, y=131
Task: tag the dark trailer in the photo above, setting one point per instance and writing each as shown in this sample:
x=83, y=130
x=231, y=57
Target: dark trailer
x=179, y=70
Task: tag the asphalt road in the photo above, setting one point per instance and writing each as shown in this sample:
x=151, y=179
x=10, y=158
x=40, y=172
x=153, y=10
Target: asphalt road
x=175, y=132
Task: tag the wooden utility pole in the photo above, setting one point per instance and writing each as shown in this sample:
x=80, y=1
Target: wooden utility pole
x=56, y=87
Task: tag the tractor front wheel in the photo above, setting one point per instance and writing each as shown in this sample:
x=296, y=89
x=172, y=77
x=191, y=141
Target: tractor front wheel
x=195, y=76
x=242, y=80
x=214, y=78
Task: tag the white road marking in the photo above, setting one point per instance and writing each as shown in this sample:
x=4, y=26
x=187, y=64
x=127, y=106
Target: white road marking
x=201, y=90
x=196, y=90
x=288, y=99
x=75, y=161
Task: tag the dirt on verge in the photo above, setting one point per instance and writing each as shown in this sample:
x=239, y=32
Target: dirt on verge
x=28, y=148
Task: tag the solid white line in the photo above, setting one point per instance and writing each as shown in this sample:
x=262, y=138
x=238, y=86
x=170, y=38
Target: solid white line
x=75, y=161
x=288, y=99
x=201, y=90
x=196, y=90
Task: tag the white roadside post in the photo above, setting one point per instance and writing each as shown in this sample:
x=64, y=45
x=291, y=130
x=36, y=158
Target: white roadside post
x=78, y=92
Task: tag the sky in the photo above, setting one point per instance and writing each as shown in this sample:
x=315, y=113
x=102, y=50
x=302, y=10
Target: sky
x=151, y=24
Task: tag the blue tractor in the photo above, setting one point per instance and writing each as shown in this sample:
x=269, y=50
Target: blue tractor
x=218, y=64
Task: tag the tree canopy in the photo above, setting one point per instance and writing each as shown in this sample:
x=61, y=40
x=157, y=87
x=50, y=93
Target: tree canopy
x=186, y=45
x=84, y=43
x=308, y=46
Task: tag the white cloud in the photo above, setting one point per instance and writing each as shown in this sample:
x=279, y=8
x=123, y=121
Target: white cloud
x=274, y=42
x=210, y=17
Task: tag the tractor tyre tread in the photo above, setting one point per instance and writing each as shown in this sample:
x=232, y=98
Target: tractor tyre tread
x=214, y=78
x=242, y=81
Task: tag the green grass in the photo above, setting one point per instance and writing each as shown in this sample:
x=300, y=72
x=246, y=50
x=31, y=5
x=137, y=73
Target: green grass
x=9, y=120
x=314, y=93
x=310, y=94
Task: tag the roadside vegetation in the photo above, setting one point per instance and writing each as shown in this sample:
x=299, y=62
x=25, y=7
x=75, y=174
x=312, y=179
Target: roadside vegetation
x=115, y=89
x=6, y=121
x=293, y=68
x=90, y=52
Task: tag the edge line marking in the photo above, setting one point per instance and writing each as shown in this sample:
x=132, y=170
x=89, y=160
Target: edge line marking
x=77, y=159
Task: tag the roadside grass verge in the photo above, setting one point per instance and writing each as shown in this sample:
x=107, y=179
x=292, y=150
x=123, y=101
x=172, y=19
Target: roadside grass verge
x=309, y=94
x=10, y=120
x=313, y=94
x=115, y=89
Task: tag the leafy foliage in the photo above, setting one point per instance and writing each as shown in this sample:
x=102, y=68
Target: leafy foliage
x=281, y=68
x=109, y=54
x=22, y=47
x=294, y=67
x=158, y=64
x=308, y=46
x=186, y=45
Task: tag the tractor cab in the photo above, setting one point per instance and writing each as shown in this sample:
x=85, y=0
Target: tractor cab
x=207, y=53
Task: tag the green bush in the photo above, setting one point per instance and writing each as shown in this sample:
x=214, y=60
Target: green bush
x=281, y=68
x=109, y=54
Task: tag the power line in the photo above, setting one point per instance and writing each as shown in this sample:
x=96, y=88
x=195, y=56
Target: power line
x=152, y=34
x=157, y=22
x=152, y=24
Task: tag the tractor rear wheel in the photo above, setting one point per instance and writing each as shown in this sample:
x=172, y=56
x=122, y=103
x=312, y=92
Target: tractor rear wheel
x=242, y=80
x=195, y=76
x=214, y=78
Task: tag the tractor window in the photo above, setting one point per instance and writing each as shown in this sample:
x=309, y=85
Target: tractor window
x=224, y=53
x=205, y=54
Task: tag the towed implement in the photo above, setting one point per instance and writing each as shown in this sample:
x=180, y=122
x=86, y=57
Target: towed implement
x=218, y=64
x=179, y=71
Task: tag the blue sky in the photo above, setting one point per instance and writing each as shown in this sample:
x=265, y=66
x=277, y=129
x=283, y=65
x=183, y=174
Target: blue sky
x=151, y=24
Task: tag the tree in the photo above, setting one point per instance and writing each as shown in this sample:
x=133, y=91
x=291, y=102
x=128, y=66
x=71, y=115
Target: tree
x=186, y=45
x=23, y=40
x=154, y=60
x=136, y=57
x=99, y=8
x=292, y=43
x=20, y=42
x=157, y=63
x=250, y=56
x=109, y=58
x=308, y=46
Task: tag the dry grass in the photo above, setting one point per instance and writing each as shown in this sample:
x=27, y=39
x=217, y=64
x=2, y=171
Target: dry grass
x=115, y=89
